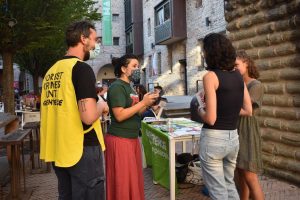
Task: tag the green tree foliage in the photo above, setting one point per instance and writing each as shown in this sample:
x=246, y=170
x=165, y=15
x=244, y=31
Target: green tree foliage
x=32, y=31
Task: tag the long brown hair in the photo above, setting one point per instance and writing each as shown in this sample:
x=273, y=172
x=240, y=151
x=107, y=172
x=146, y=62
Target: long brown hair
x=251, y=67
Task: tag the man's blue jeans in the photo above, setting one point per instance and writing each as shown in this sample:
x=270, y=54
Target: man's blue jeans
x=218, y=153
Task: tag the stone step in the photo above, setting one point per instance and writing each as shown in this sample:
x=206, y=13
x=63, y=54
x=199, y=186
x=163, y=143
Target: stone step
x=178, y=114
x=177, y=110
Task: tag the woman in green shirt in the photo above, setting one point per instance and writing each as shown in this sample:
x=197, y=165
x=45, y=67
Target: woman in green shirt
x=124, y=174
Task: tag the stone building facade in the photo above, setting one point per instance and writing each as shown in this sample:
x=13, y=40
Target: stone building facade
x=102, y=67
x=178, y=65
x=270, y=33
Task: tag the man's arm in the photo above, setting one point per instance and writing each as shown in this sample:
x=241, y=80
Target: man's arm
x=84, y=80
x=90, y=111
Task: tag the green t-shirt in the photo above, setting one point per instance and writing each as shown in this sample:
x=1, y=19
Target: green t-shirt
x=121, y=94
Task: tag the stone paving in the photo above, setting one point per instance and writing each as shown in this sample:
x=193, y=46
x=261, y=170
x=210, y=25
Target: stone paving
x=44, y=186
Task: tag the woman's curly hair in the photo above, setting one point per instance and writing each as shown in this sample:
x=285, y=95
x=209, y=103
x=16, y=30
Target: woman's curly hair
x=251, y=67
x=219, y=52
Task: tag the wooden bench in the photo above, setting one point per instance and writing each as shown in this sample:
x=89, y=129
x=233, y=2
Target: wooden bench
x=4, y=173
x=14, y=142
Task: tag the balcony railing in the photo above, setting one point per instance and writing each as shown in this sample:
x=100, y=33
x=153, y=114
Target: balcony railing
x=163, y=32
x=174, y=28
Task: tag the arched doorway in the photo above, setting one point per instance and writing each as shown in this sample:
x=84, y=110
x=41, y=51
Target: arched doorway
x=106, y=74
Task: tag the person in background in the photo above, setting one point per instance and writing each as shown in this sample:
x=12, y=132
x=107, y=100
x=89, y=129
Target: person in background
x=38, y=102
x=194, y=110
x=249, y=162
x=160, y=102
x=141, y=91
x=100, y=92
x=152, y=111
x=104, y=92
x=158, y=90
x=71, y=136
x=225, y=98
x=123, y=155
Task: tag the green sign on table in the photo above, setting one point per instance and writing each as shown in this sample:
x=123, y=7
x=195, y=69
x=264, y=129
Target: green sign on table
x=156, y=139
x=156, y=148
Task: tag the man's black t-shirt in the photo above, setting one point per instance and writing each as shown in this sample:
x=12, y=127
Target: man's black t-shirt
x=84, y=81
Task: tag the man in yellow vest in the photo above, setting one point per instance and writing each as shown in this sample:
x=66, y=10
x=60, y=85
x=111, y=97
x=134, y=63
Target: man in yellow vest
x=71, y=136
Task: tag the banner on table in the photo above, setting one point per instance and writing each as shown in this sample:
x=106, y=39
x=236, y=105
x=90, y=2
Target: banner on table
x=156, y=147
x=106, y=23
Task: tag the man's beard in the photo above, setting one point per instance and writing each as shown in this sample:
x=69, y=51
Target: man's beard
x=86, y=56
x=86, y=52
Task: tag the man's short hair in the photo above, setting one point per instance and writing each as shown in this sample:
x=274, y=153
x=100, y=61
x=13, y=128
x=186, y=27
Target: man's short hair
x=158, y=87
x=161, y=91
x=75, y=30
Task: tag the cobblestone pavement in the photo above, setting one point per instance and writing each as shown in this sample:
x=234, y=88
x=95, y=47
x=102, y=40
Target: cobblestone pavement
x=44, y=187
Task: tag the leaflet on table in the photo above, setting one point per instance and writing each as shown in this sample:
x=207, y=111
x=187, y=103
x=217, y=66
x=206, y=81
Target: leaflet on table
x=177, y=127
x=153, y=119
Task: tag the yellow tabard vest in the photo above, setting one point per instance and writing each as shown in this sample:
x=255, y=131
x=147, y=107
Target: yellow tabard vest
x=62, y=132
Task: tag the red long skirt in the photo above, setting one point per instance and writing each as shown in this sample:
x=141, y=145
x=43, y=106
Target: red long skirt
x=124, y=173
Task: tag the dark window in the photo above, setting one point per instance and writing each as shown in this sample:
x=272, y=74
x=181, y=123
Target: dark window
x=162, y=13
x=167, y=11
x=116, y=41
x=128, y=17
x=159, y=63
x=198, y=3
x=149, y=27
x=150, y=66
x=115, y=17
x=129, y=39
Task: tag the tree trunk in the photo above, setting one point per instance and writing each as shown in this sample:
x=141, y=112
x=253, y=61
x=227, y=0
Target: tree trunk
x=8, y=83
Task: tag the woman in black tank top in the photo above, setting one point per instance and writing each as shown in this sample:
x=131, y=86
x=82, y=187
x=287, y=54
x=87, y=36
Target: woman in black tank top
x=225, y=97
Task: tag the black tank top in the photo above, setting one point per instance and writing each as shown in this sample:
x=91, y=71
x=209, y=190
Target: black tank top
x=230, y=95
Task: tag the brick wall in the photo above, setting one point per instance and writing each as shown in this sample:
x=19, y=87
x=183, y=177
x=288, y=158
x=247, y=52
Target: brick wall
x=269, y=32
x=196, y=31
x=171, y=78
x=118, y=30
